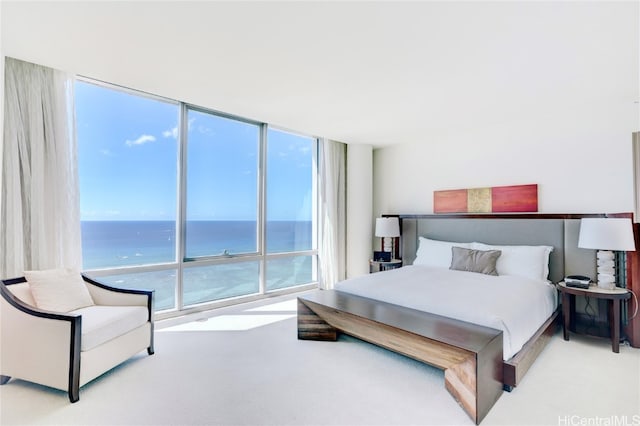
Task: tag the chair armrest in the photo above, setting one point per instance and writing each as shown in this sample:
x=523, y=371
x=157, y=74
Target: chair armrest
x=38, y=345
x=103, y=294
x=18, y=304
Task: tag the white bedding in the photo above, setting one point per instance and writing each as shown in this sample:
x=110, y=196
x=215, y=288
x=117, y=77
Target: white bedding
x=517, y=306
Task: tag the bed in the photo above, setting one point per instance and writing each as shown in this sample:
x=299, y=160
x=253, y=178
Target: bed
x=472, y=325
x=498, y=302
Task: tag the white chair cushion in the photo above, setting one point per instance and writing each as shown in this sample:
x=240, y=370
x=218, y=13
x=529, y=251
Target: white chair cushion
x=58, y=290
x=103, y=323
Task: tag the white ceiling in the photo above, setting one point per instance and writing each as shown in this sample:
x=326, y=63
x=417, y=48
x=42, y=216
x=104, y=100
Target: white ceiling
x=360, y=72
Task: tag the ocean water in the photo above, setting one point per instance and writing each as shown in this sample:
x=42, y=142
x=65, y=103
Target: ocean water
x=108, y=244
x=112, y=244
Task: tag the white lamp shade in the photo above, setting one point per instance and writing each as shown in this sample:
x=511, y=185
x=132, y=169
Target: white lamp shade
x=387, y=227
x=606, y=234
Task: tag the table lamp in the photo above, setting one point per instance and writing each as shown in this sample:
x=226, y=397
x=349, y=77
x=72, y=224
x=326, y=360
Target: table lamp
x=388, y=228
x=606, y=235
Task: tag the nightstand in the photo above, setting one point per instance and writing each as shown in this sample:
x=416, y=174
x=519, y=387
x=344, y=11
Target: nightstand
x=614, y=296
x=375, y=266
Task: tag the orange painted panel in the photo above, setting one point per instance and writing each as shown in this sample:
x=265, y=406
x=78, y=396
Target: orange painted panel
x=450, y=201
x=517, y=198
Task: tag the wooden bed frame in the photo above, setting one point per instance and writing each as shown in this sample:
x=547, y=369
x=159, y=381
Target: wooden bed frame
x=470, y=355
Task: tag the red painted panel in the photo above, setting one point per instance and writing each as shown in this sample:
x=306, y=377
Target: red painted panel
x=451, y=201
x=517, y=198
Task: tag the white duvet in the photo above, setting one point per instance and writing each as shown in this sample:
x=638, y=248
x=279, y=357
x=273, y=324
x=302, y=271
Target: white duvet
x=517, y=306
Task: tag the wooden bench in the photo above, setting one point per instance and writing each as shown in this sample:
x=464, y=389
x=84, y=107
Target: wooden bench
x=469, y=354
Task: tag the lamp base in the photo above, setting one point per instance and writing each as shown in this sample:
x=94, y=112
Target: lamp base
x=606, y=285
x=606, y=269
x=388, y=245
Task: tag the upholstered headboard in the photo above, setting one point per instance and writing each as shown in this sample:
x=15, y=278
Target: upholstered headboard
x=557, y=230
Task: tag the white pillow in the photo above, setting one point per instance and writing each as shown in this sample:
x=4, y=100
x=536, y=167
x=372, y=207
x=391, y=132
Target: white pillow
x=58, y=290
x=522, y=261
x=436, y=253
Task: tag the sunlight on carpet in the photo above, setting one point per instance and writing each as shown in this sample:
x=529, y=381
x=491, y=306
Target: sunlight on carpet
x=229, y=323
x=245, y=320
x=286, y=306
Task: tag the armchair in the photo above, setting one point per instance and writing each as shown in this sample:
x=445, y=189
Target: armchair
x=67, y=350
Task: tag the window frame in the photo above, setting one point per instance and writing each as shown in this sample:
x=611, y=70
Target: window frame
x=183, y=194
x=181, y=262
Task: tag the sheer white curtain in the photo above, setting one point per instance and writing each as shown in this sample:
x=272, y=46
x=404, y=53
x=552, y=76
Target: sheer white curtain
x=332, y=250
x=40, y=213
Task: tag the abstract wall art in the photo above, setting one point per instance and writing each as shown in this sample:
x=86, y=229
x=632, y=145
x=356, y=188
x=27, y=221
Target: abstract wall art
x=497, y=199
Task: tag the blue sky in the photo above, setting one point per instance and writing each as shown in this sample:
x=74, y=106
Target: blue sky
x=128, y=156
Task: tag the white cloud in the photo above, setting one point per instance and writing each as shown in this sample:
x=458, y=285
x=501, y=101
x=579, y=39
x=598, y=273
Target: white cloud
x=106, y=153
x=301, y=148
x=141, y=140
x=205, y=130
x=171, y=133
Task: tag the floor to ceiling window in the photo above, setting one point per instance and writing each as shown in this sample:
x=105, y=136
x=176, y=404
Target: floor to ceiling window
x=200, y=206
x=290, y=209
x=128, y=165
x=221, y=207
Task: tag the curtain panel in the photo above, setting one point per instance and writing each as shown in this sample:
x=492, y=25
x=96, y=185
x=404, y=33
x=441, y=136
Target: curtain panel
x=40, y=209
x=332, y=250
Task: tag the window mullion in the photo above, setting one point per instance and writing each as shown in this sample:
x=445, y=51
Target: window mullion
x=181, y=223
x=262, y=207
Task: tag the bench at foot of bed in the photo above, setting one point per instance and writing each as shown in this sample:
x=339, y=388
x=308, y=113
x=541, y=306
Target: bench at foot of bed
x=469, y=354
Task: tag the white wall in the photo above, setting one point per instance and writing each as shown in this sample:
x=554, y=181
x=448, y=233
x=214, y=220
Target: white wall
x=359, y=208
x=636, y=174
x=1, y=104
x=581, y=160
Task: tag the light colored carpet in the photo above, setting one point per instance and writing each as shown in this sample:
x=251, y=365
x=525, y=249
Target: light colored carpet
x=245, y=366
